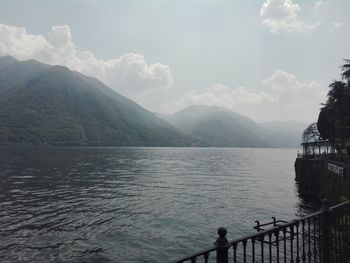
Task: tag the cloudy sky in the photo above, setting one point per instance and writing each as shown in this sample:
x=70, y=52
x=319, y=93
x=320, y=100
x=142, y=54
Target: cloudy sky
x=266, y=59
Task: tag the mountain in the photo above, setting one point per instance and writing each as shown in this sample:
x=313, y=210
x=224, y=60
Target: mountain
x=220, y=127
x=7, y=61
x=42, y=104
x=162, y=116
x=285, y=133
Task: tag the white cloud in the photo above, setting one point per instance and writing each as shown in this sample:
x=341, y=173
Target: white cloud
x=336, y=24
x=129, y=74
x=318, y=4
x=281, y=97
x=282, y=15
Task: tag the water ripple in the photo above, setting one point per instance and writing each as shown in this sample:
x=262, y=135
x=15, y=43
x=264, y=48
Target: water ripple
x=135, y=204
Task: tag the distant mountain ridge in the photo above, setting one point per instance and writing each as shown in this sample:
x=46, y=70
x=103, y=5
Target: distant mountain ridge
x=285, y=133
x=42, y=104
x=221, y=127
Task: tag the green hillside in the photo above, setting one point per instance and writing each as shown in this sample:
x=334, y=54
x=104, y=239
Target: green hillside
x=42, y=104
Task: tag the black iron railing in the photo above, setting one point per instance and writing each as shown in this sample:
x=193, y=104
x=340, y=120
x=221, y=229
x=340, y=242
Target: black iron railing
x=322, y=237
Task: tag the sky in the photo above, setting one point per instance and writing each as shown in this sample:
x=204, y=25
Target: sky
x=266, y=59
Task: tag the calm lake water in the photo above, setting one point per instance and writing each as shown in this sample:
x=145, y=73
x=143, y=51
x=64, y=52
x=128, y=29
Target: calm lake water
x=136, y=204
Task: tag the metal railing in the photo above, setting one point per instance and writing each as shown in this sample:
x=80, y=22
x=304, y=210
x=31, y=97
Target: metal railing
x=322, y=237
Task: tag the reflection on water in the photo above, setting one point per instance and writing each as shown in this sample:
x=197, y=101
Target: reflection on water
x=135, y=204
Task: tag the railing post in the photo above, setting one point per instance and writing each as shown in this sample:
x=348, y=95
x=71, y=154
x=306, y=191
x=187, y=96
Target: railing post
x=326, y=231
x=222, y=245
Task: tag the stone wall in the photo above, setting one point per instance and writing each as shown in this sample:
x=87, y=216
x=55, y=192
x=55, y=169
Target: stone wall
x=322, y=178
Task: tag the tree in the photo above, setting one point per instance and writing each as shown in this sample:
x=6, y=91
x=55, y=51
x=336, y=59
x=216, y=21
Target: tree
x=346, y=70
x=311, y=133
x=325, y=124
x=334, y=118
x=335, y=95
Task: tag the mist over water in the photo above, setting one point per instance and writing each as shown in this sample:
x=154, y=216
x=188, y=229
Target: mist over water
x=136, y=204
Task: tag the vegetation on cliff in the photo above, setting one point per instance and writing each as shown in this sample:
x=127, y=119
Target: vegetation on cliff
x=42, y=104
x=334, y=118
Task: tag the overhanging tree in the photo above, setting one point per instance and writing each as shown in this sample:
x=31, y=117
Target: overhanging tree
x=334, y=118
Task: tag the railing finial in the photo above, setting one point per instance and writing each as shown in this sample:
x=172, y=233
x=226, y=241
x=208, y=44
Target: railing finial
x=325, y=204
x=222, y=241
x=222, y=245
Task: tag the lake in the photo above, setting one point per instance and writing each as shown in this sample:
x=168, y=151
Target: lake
x=136, y=204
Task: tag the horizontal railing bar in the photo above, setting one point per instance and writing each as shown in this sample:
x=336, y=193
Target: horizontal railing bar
x=309, y=216
x=340, y=205
x=202, y=253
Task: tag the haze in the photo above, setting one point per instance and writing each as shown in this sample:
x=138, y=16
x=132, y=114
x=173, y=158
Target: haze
x=268, y=60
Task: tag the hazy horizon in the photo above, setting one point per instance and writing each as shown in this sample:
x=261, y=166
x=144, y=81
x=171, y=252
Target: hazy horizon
x=269, y=60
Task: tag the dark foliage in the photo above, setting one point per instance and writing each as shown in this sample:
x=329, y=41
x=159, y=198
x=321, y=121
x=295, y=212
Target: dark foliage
x=311, y=133
x=334, y=118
